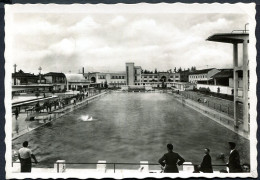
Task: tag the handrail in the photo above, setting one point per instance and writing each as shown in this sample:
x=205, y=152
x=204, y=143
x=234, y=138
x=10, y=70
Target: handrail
x=122, y=163
x=114, y=164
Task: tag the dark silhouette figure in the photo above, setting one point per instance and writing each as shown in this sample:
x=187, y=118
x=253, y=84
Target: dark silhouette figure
x=206, y=165
x=234, y=159
x=16, y=113
x=170, y=160
x=25, y=155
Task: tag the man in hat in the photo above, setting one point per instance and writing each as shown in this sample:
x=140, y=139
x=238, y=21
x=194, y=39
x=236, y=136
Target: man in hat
x=206, y=165
x=170, y=160
x=25, y=155
x=234, y=159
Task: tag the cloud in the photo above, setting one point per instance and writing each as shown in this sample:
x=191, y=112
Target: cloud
x=86, y=25
x=118, y=20
x=64, y=47
x=36, y=28
x=100, y=41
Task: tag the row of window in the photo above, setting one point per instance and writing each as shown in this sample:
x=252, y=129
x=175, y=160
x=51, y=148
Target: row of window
x=176, y=76
x=116, y=82
x=198, y=76
x=118, y=77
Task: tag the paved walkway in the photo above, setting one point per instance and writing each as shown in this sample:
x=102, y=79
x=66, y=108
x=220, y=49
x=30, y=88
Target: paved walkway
x=23, y=124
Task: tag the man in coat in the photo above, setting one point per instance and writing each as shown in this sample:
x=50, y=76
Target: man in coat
x=206, y=165
x=170, y=160
x=234, y=159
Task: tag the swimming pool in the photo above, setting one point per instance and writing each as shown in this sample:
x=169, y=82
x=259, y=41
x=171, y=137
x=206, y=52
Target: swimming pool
x=131, y=127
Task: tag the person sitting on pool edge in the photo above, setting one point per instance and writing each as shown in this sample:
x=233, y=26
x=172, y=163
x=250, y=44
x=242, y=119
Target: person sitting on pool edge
x=170, y=160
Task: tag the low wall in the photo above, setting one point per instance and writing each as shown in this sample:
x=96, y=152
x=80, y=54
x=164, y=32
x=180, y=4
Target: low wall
x=218, y=117
x=223, y=89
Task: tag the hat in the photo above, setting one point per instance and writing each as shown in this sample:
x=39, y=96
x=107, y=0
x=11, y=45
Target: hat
x=232, y=144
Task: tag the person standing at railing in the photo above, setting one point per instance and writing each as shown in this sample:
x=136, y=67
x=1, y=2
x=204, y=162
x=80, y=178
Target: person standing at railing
x=206, y=165
x=234, y=159
x=170, y=160
x=25, y=155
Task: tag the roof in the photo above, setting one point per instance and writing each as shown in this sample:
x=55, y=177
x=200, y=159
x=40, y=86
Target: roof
x=229, y=37
x=202, y=71
x=75, y=77
x=55, y=74
x=227, y=73
x=22, y=74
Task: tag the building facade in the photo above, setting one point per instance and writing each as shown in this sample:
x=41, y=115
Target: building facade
x=102, y=79
x=58, y=80
x=203, y=76
x=76, y=82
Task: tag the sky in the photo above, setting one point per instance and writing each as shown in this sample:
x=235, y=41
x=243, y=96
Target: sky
x=104, y=42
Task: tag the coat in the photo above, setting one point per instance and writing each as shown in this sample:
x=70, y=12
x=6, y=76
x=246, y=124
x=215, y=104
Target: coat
x=234, y=162
x=206, y=165
x=170, y=161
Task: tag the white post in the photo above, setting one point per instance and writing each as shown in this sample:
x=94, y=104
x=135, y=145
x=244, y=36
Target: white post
x=235, y=82
x=101, y=167
x=144, y=167
x=188, y=167
x=60, y=166
x=245, y=86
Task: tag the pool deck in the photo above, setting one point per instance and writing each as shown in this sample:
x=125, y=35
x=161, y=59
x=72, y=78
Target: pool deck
x=22, y=125
x=216, y=116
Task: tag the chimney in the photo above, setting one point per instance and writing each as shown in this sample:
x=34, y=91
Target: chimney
x=83, y=70
x=15, y=68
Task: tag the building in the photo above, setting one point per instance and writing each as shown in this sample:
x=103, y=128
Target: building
x=76, y=82
x=203, y=76
x=26, y=82
x=22, y=78
x=133, y=74
x=225, y=78
x=184, y=76
x=101, y=79
x=58, y=80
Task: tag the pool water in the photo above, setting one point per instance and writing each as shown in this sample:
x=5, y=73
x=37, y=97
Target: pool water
x=131, y=127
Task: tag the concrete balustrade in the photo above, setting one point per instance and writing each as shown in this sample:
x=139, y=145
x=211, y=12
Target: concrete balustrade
x=60, y=166
x=143, y=167
x=101, y=167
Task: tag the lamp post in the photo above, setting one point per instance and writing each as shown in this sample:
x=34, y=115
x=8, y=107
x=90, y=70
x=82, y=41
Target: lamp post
x=14, y=73
x=40, y=73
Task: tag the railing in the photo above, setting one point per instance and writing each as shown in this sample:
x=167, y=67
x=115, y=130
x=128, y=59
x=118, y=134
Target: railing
x=60, y=166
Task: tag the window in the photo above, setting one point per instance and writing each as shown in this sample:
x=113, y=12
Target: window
x=150, y=76
x=145, y=80
x=155, y=76
x=145, y=76
x=176, y=76
x=123, y=77
x=172, y=76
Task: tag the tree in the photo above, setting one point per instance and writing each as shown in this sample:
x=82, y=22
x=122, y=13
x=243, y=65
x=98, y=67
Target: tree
x=180, y=70
x=175, y=70
x=155, y=71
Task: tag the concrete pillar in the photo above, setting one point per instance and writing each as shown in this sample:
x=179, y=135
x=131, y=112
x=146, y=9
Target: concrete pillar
x=101, y=167
x=235, y=82
x=245, y=85
x=60, y=166
x=188, y=167
x=143, y=167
